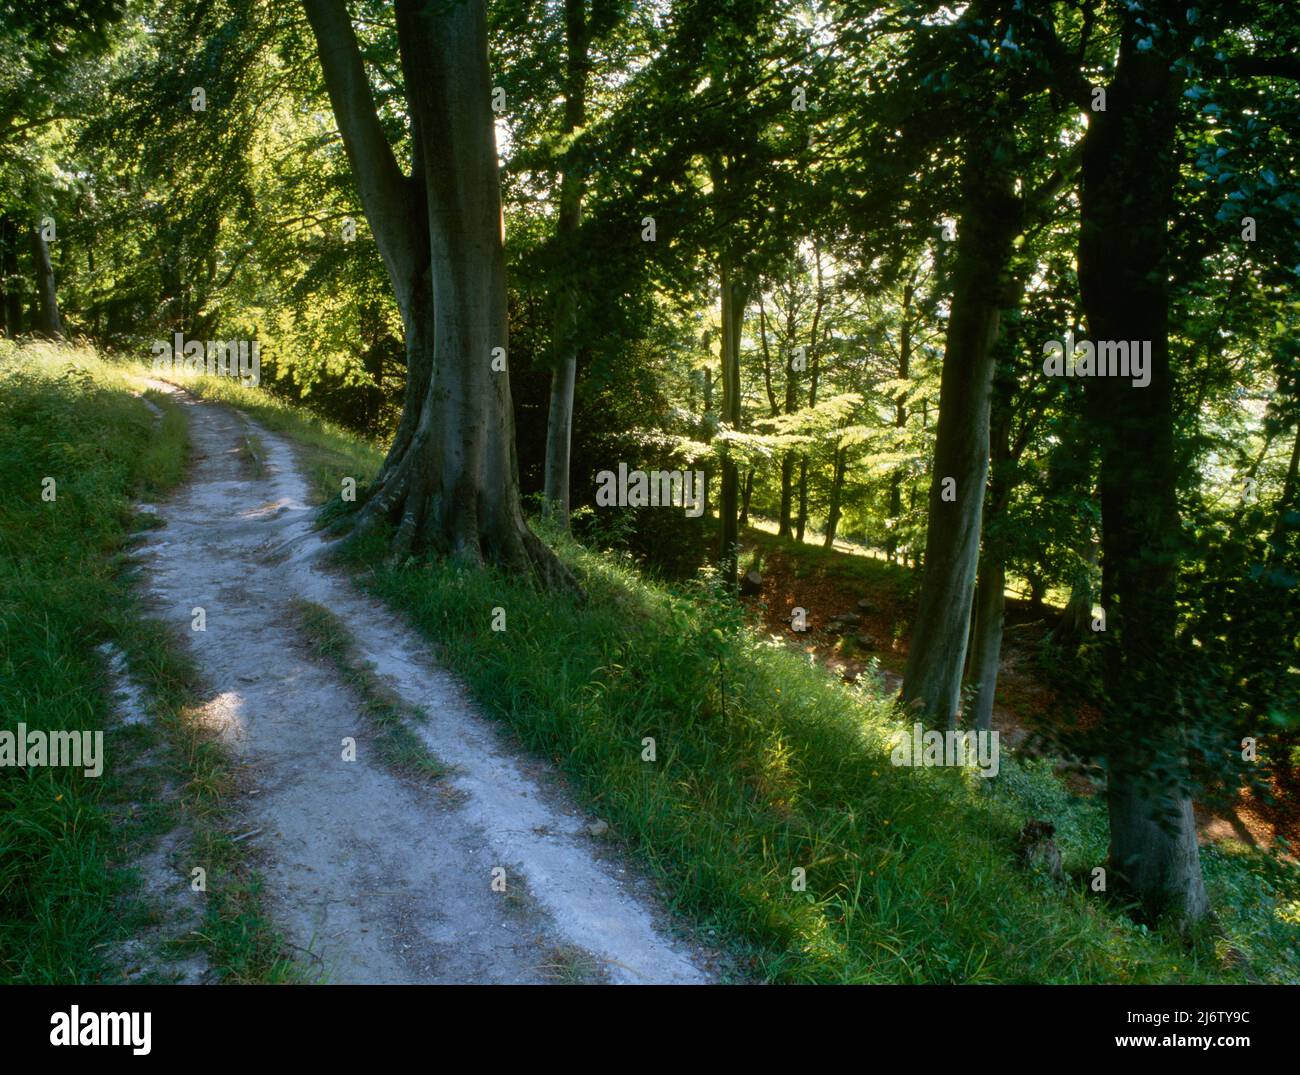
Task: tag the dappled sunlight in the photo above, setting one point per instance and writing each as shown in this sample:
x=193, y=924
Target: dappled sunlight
x=224, y=716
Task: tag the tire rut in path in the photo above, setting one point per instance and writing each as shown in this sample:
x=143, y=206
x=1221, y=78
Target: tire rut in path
x=382, y=878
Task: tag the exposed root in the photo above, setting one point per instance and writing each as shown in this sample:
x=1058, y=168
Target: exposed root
x=410, y=517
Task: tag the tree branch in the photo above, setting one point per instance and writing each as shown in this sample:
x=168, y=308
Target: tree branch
x=393, y=208
x=1264, y=66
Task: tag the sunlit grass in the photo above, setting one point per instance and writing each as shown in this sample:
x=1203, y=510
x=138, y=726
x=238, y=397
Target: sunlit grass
x=68, y=893
x=763, y=764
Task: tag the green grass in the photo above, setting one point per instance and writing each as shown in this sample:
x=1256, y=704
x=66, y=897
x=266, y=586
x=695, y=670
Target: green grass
x=765, y=764
x=399, y=747
x=68, y=893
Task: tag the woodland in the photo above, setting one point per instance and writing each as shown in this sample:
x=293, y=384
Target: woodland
x=993, y=302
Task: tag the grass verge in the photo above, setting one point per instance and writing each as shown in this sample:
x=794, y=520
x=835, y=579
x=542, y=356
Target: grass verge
x=762, y=765
x=771, y=813
x=78, y=446
x=765, y=765
x=399, y=747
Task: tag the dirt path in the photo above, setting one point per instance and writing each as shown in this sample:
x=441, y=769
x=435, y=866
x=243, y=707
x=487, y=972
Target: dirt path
x=382, y=878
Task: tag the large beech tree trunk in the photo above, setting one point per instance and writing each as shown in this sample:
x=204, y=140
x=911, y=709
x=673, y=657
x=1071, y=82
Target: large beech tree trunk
x=1129, y=169
x=450, y=482
x=990, y=221
x=559, y=425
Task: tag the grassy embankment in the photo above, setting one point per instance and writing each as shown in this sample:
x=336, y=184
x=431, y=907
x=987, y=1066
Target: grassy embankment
x=69, y=894
x=765, y=765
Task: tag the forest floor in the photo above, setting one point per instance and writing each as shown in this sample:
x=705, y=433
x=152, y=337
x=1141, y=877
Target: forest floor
x=441, y=853
x=849, y=581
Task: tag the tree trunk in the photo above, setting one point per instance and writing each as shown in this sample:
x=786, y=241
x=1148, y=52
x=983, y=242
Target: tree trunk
x=801, y=520
x=452, y=484
x=900, y=418
x=1129, y=170
x=1285, y=505
x=705, y=433
x=559, y=437
x=990, y=222
x=792, y=402
x=734, y=294
x=787, y=493
x=1075, y=622
x=990, y=590
x=47, y=321
x=1153, y=849
x=814, y=369
x=11, y=301
x=787, y=458
x=559, y=425
x=837, y=490
x=394, y=206
x=747, y=491
x=987, y=645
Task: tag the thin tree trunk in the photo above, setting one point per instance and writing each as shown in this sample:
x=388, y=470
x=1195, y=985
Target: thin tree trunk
x=47, y=321
x=801, y=520
x=814, y=369
x=787, y=458
x=787, y=493
x=900, y=415
x=837, y=490
x=1129, y=170
x=734, y=295
x=559, y=426
x=11, y=309
x=987, y=645
x=705, y=433
x=990, y=595
x=559, y=437
x=1290, y=489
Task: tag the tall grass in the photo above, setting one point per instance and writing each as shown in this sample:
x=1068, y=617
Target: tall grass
x=327, y=452
x=68, y=892
x=764, y=765
x=67, y=417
